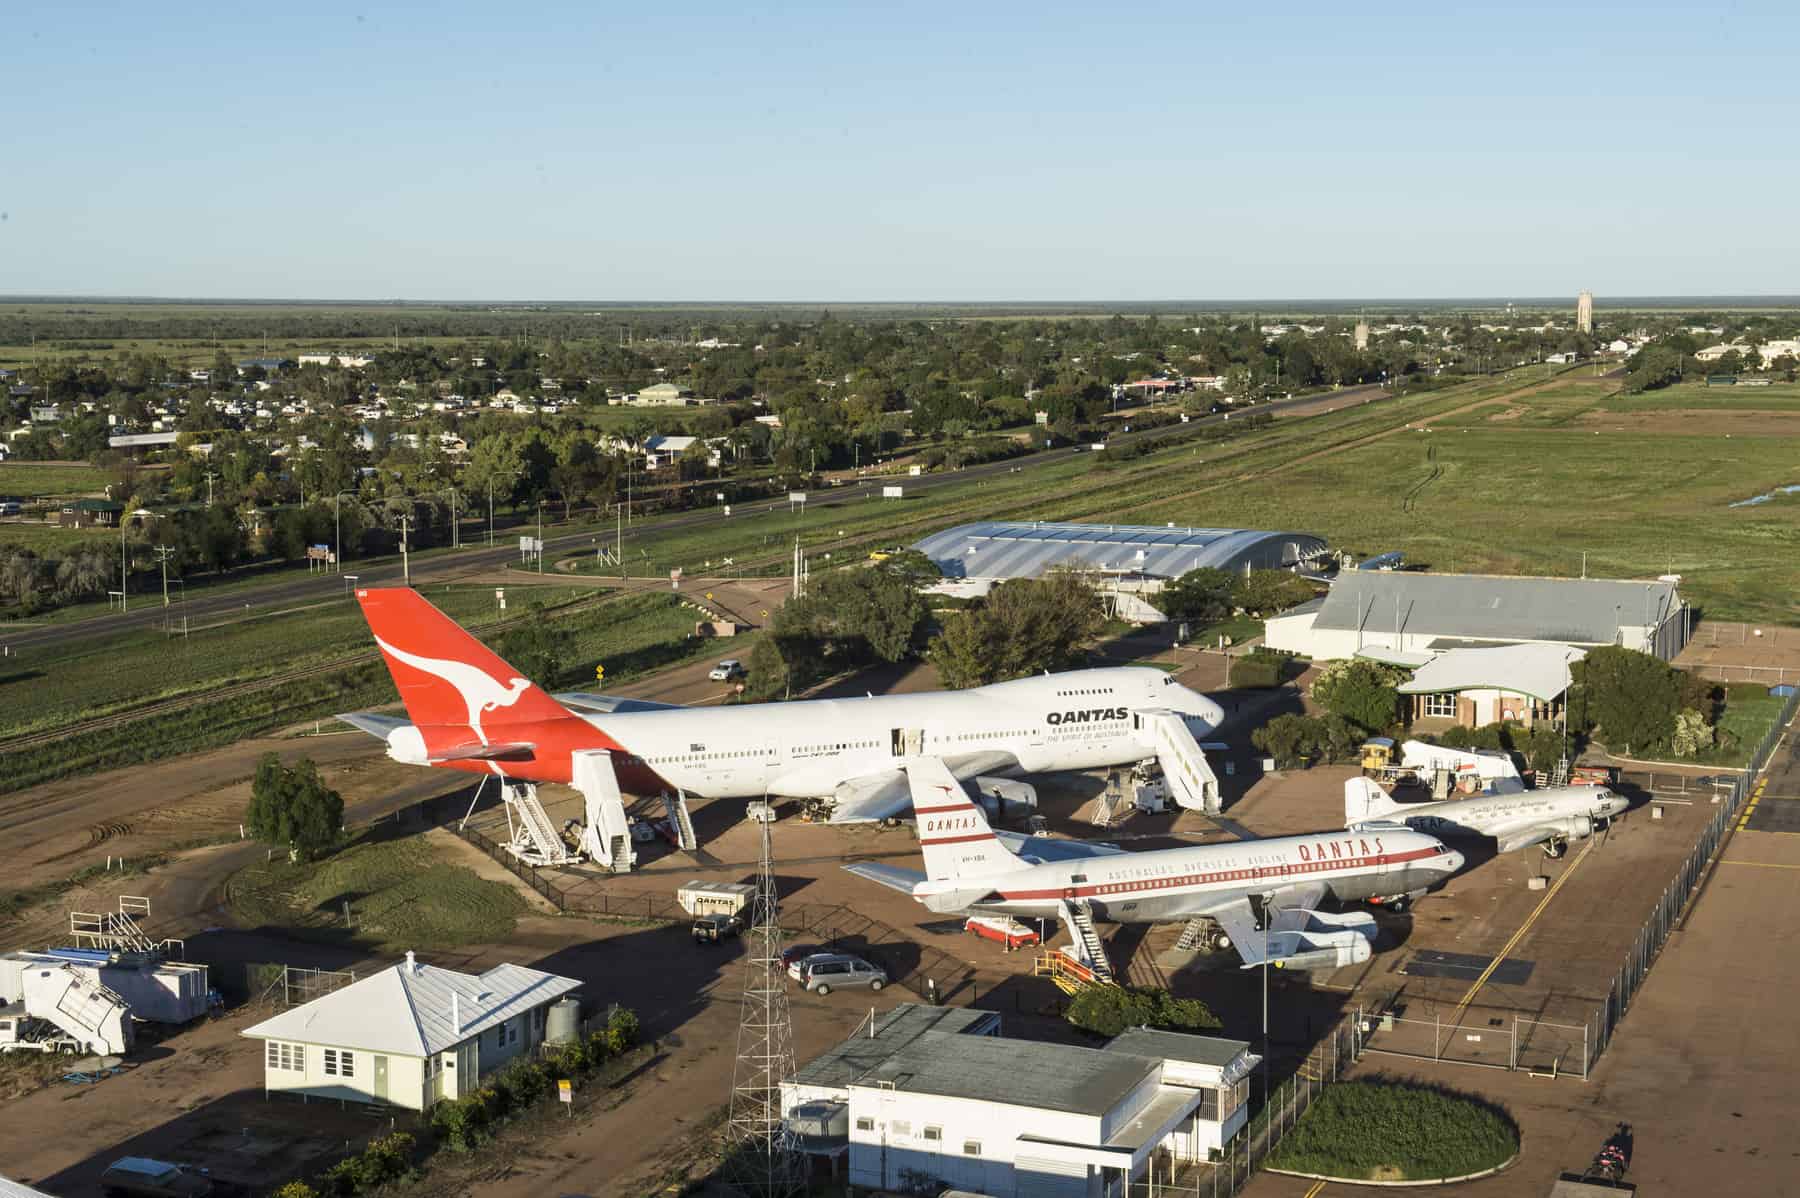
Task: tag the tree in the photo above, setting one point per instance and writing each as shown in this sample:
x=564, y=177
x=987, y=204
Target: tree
x=291, y=807
x=1265, y=592
x=1361, y=691
x=1026, y=626
x=1109, y=1010
x=1202, y=596
x=1630, y=698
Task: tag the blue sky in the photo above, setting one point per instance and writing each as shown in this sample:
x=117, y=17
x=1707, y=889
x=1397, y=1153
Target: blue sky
x=901, y=152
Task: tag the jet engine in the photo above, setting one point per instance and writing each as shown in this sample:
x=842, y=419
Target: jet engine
x=1574, y=827
x=1302, y=939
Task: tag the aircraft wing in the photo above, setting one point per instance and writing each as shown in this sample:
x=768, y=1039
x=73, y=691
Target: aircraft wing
x=1290, y=912
x=887, y=793
x=1038, y=849
x=1524, y=838
x=584, y=701
x=377, y=726
x=476, y=751
x=894, y=877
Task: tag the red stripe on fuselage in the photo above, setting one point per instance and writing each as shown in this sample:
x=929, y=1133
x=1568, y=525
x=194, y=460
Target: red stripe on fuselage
x=1300, y=870
x=945, y=807
x=959, y=839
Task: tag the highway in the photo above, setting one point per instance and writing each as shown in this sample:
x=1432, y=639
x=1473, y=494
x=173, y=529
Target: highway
x=147, y=612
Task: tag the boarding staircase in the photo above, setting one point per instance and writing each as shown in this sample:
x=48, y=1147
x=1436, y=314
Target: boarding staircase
x=680, y=821
x=1085, y=946
x=535, y=840
x=1114, y=804
x=84, y=1010
x=1193, y=935
x=1559, y=776
x=1189, y=777
x=113, y=931
x=607, y=835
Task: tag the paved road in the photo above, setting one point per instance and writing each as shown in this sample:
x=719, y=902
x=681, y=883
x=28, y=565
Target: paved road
x=302, y=588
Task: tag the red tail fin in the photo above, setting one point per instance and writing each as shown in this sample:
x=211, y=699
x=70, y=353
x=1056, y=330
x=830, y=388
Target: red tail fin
x=447, y=678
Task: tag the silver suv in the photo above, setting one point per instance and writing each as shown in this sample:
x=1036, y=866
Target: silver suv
x=824, y=972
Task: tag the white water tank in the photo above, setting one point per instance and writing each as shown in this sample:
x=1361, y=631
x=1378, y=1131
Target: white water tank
x=564, y=1024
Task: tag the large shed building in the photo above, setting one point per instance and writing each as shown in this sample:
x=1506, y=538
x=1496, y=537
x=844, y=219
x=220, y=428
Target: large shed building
x=995, y=550
x=1410, y=618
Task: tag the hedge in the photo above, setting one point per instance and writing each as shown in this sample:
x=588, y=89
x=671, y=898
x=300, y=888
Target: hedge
x=1385, y=1130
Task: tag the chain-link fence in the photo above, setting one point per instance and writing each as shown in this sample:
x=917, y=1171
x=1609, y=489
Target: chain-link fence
x=1497, y=1037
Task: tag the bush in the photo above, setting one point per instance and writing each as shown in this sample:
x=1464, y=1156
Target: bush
x=1109, y=1010
x=621, y=1030
x=1382, y=1130
x=295, y=1189
x=385, y=1160
x=1692, y=734
x=1257, y=669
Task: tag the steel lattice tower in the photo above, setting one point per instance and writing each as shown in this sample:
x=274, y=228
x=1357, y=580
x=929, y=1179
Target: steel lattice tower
x=762, y=1160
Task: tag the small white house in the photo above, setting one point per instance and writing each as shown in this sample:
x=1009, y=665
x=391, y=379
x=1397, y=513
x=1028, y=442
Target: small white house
x=937, y=1093
x=408, y=1036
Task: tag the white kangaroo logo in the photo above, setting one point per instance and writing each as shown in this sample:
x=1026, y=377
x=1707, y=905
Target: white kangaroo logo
x=479, y=691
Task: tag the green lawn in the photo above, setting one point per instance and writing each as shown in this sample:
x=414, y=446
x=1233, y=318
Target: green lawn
x=401, y=897
x=1750, y=711
x=28, y=480
x=1778, y=397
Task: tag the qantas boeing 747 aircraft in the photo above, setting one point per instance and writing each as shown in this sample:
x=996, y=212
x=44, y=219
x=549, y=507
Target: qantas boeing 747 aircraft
x=469, y=710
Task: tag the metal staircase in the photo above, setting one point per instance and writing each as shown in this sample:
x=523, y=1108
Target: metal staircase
x=535, y=840
x=1185, y=770
x=112, y=931
x=1085, y=945
x=1560, y=775
x=1193, y=936
x=607, y=835
x=1114, y=804
x=679, y=820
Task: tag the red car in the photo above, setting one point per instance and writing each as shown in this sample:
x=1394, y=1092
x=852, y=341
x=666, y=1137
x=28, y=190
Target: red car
x=1002, y=930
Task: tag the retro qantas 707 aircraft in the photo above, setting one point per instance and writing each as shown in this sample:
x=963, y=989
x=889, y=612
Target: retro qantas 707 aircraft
x=469, y=710
x=1261, y=897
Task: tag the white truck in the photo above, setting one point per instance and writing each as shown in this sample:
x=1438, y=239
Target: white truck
x=20, y=1032
x=72, y=1005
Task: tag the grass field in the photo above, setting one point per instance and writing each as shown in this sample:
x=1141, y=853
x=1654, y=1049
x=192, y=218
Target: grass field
x=401, y=897
x=631, y=634
x=1530, y=494
x=1750, y=711
x=28, y=480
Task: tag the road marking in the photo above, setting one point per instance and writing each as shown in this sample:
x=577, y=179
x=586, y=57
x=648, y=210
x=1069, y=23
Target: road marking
x=1317, y=1186
x=1519, y=935
x=1756, y=795
x=1763, y=864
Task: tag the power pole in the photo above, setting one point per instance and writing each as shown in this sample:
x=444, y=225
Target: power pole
x=405, y=558
x=761, y=1157
x=163, y=553
x=209, y=482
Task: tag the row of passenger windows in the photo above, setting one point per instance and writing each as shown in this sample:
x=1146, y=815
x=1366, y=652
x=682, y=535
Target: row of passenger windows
x=1097, y=690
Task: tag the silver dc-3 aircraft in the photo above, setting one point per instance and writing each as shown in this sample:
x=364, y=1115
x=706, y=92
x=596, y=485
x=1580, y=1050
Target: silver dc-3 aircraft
x=1552, y=818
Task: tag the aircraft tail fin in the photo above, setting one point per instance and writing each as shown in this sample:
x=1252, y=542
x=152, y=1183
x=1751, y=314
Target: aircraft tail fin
x=1363, y=801
x=953, y=832
x=451, y=683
